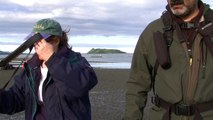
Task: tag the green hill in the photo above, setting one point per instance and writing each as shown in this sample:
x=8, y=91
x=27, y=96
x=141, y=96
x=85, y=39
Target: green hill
x=3, y=53
x=104, y=51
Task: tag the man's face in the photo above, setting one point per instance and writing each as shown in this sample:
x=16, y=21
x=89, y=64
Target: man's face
x=183, y=8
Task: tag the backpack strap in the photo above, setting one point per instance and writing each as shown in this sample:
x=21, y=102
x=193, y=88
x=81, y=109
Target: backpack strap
x=164, y=40
x=162, y=43
x=169, y=27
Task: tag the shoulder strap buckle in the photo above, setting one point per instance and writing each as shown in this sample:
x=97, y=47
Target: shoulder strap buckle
x=188, y=25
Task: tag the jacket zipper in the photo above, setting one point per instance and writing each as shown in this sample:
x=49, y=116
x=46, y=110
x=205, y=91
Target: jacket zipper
x=194, y=64
x=46, y=82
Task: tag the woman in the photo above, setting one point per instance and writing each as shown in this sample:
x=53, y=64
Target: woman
x=55, y=82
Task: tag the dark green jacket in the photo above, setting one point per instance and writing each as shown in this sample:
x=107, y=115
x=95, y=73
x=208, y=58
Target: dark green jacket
x=171, y=84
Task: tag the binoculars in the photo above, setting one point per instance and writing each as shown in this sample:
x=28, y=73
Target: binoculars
x=27, y=44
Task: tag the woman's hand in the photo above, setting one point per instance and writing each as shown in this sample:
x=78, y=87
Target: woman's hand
x=44, y=49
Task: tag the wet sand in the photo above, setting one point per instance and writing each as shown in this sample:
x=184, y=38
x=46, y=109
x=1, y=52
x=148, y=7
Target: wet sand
x=107, y=97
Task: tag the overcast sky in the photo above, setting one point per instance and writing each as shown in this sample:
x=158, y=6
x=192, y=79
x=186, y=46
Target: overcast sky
x=93, y=23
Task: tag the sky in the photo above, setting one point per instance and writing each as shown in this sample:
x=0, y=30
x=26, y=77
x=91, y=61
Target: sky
x=111, y=24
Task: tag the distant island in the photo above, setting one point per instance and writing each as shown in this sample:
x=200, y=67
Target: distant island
x=104, y=51
x=3, y=53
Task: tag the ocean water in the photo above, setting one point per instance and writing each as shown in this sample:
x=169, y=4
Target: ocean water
x=122, y=61
x=112, y=61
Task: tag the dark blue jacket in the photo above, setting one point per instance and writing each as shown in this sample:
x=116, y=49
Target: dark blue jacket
x=65, y=91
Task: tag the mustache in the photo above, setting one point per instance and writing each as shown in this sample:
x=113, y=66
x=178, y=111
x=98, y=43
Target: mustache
x=176, y=2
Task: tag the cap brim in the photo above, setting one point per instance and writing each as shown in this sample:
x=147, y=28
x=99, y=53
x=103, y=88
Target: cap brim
x=45, y=36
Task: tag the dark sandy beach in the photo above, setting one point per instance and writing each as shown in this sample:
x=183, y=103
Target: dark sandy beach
x=107, y=98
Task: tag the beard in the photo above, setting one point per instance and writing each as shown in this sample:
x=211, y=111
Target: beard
x=185, y=11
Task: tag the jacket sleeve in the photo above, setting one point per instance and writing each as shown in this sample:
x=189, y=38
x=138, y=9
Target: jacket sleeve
x=13, y=99
x=139, y=82
x=73, y=75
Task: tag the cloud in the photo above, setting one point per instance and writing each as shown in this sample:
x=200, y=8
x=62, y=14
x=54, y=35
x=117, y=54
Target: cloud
x=106, y=18
x=111, y=17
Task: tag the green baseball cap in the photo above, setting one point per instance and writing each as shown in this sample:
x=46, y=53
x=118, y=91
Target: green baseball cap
x=48, y=26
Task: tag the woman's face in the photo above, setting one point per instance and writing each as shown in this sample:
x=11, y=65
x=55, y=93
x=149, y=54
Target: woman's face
x=45, y=48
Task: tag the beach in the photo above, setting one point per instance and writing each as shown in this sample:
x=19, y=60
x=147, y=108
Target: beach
x=107, y=97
